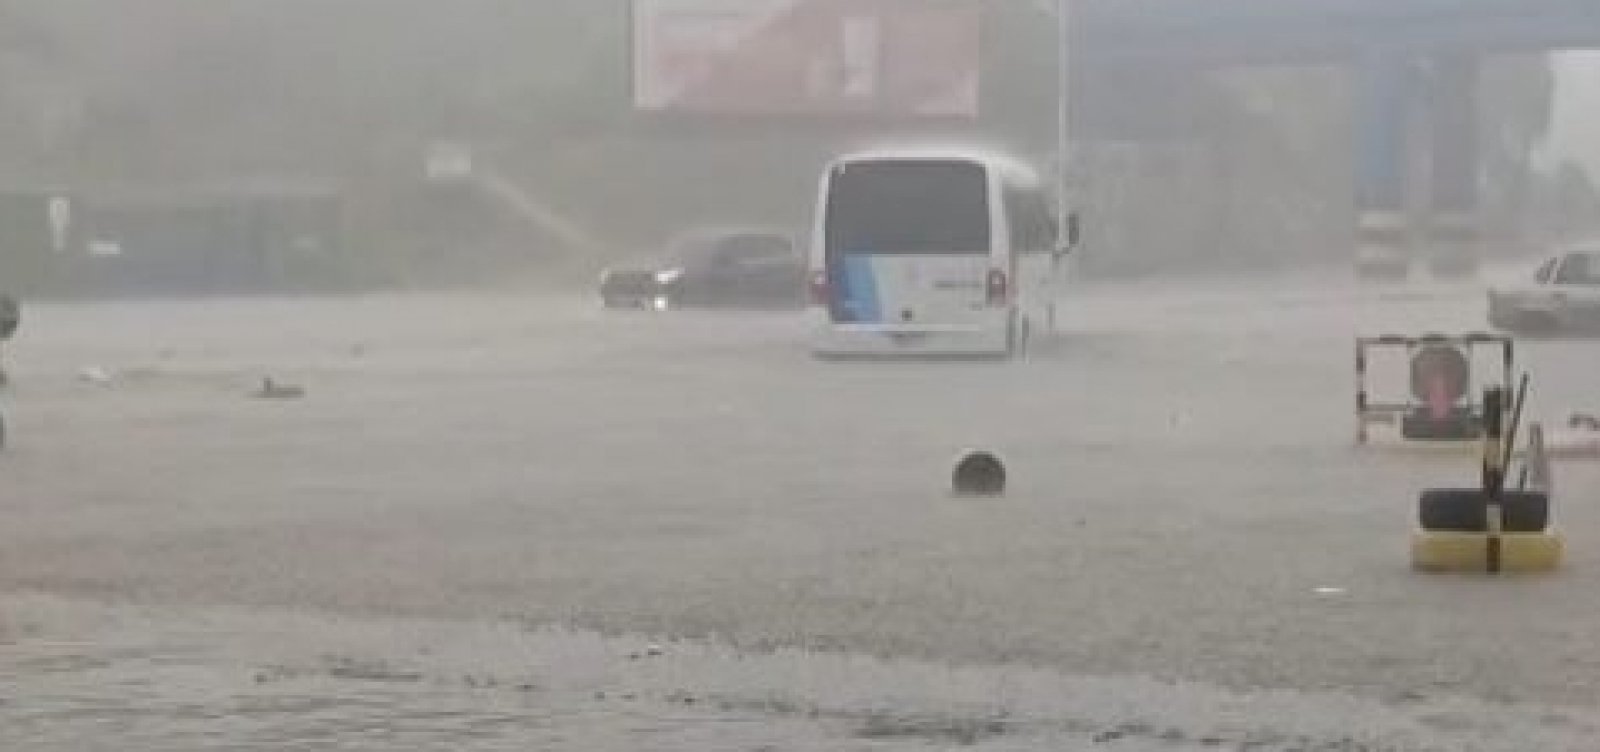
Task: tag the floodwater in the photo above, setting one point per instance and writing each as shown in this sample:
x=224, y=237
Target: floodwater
x=502, y=522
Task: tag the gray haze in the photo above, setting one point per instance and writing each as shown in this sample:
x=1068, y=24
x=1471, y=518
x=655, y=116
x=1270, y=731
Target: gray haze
x=1577, y=117
x=1252, y=169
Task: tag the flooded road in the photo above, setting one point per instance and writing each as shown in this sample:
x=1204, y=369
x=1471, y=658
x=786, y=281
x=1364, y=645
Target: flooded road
x=485, y=510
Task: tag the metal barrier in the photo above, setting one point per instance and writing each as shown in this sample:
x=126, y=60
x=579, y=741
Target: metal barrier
x=1441, y=387
x=1494, y=528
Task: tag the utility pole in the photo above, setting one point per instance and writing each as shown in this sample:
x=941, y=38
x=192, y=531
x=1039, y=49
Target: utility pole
x=1064, y=212
x=1063, y=11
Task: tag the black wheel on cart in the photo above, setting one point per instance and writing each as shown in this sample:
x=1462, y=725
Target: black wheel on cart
x=1461, y=510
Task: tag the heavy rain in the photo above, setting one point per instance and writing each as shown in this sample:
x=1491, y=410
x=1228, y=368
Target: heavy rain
x=496, y=374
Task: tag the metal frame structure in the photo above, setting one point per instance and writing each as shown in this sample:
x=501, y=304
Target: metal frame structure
x=1368, y=412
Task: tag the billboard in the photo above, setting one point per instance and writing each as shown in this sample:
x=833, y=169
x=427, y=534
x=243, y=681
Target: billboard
x=817, y=58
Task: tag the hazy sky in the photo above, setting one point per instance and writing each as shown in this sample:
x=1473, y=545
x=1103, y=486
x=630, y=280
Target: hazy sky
x=1577, y=121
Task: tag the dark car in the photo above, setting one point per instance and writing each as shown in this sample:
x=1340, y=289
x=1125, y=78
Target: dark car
x=753, y=268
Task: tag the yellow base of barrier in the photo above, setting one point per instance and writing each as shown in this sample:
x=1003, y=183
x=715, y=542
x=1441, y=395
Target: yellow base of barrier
x=1434, y=551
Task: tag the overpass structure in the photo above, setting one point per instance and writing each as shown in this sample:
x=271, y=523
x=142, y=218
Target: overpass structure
x=1416, y=62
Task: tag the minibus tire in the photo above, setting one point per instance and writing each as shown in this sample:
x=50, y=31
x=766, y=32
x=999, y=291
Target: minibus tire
x=1018, y=337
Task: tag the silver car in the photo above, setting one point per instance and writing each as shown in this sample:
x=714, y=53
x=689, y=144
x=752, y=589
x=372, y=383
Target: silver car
x=1562, y=297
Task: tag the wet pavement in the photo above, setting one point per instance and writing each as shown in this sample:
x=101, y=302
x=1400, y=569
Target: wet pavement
x=483, y=510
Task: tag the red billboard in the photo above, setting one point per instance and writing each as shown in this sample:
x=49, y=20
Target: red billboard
x=885, y=58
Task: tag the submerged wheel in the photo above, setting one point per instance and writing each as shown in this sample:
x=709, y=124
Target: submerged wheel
x=978, y=473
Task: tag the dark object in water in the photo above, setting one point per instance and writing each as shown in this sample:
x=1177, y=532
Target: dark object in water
x=10, y=316
x=271, y=389
x=10, y=319
x=979, y=474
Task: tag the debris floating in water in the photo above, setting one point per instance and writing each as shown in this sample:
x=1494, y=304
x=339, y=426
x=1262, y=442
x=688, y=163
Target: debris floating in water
x=979, y=473
x=94, y=375
x=271, y=389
